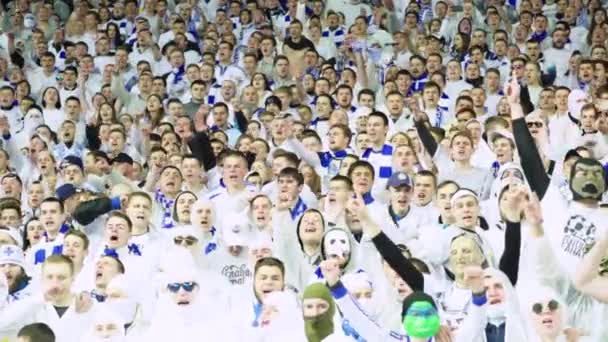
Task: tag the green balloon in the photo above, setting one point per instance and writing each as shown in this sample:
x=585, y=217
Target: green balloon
x=421, y=320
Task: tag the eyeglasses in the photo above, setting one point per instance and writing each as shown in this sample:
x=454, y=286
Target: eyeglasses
x=535, y=124
x=187, y=286
x=537, y=308
x=188, y=240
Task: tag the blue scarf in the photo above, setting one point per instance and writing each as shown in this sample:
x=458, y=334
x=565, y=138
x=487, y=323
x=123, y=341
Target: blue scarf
x=539, y=37
x=179, y=74
x=298, y=209
x=100, y=298
x=212, y=245
x=368, y=198
x=257, y=312
x=167, y=204
x=438, y=117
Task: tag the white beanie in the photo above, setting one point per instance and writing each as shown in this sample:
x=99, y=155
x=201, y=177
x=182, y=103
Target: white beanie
x=14, y=234
x=11, y=254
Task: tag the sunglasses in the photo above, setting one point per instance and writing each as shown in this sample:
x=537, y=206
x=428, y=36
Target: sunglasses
x=535, y=124
x=189, y=240
x=537, y=308
x=187, y=286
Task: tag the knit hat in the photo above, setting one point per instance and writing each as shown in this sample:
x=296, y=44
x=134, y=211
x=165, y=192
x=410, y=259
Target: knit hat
x=11, y=254
x=319, y=327
x=14, y=234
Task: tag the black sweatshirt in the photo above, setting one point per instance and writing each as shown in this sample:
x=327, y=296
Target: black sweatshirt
x=531, y=162
x=509, y=261
x=426, y=137
x=87, y=212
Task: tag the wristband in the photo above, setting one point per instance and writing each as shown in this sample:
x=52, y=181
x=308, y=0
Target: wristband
x=479, y=299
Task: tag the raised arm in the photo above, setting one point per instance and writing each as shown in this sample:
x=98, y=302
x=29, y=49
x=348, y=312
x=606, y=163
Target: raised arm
x=587, y=279
x=531, y=161
x=201, y=149
x=513, y=212
x=425, y=135
x=387, y=248
x=357, y=318
x=87, y=212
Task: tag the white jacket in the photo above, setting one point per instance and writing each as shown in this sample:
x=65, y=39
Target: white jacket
x=68, y=328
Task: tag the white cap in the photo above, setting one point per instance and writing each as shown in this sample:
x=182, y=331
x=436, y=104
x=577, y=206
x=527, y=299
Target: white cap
x=11, y=254
x=14, y=234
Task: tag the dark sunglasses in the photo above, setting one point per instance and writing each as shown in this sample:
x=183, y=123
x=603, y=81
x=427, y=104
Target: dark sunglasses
x=537, y=308
x=187, y=286
x=189, y=240
x=535, y=124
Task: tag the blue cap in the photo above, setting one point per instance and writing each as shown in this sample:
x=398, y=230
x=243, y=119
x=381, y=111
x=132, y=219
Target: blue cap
x=399, y=179
x=72, y=160
x=66, y=191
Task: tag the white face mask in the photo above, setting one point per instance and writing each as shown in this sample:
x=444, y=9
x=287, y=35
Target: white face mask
x=124, y=307
x=336, y=242
x=368, y=305
x=496, y=311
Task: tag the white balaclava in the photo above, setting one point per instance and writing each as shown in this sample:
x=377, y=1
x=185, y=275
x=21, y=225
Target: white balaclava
x=125, y=308
x=105, y=315
x=576, y=100
x=336, y=242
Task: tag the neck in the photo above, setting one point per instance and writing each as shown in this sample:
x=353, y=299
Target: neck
x=63, y=301
x=195, y=185
x=401, y=212
x=378, y=145
x=139, y=230
x=170, y=195
x=78, y=267
x=463, y=164
x=311, y=249
x=588, y=203
x=235, y=188
x=278, y=141
x=52, y=234
x=447, y=219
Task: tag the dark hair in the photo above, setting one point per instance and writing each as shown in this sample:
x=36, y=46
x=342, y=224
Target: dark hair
x=119, y=264
x=119, y=214
x=361, y=163
x=58, y=104
x=271, y=262
x=53, y=200
x=291, y=157
x=37, y=332
x=79, y=234
x=346, y=180
x=380, y=115
x=291, y=172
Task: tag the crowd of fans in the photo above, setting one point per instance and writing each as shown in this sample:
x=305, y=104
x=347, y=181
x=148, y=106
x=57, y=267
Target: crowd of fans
x=303, y=170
